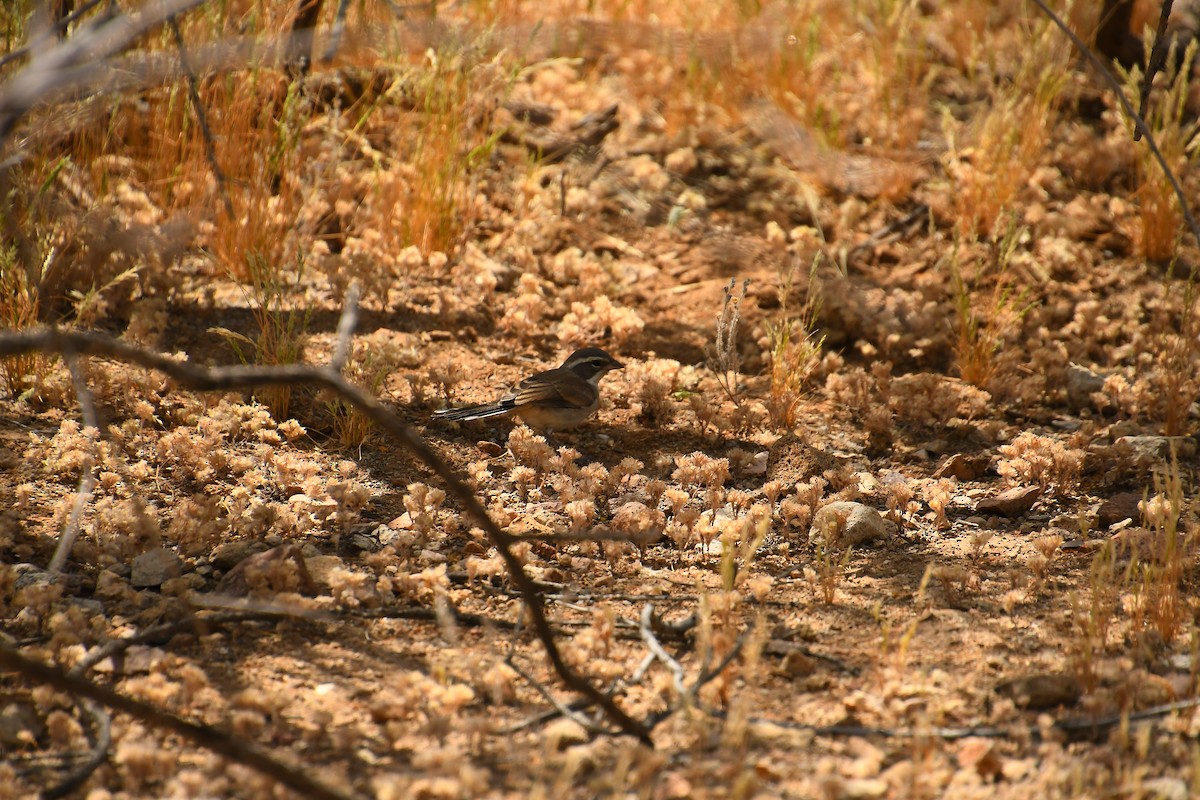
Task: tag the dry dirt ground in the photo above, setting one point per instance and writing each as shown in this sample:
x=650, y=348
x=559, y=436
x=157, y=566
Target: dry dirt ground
x=938, y=263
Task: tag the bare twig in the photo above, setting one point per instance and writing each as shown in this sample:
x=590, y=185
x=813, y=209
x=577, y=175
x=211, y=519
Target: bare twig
x=156, y=633
x=1158, y=57
x=87, y=481
x=644, y=667
x=463, y=618
x=706, y=675
x=235, y=750
x=886, y=232
x=594, y=535
x=102, y=741
x=259, y=608
x=1140, y=125
x=345, y=329
x=1074, y=727
x=58, y=27
x=74, y=60
x=244, y=377
x=339, y=25
x=210, y=149
x=660, y=652
x=562, y=709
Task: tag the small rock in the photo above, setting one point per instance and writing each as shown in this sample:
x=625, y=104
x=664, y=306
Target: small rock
x=758, y=464
x=364, y=542
x=153, y=567
x=1012, y=503
x=1119, y=507
x=490, y=449
x=1041, y=691
x=1147, y=690
x=428, y=556
x=797, y=665
x=848, y=524
x=319, y=568
x=227, y=555
x=1082, y=383
x=142, y=660
x=963, y=467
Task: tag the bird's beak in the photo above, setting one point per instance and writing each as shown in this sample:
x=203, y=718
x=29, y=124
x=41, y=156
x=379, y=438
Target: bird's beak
x=617, y=364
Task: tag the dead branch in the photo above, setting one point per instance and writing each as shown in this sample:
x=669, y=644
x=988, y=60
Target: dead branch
x=222, y=744
x=210, y=148
x=53, y=340
x=102, y=741
x=1158, y=58
x=661, y=654
x=345, y=329
x=560, y=708
x=87, y=481
x=58, y=27
x=1140, y=125
x=75, y=60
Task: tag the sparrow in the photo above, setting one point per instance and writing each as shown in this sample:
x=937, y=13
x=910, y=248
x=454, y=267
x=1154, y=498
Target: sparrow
x=549, y=401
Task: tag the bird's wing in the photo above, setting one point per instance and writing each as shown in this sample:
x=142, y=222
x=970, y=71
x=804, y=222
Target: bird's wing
x=554, y=387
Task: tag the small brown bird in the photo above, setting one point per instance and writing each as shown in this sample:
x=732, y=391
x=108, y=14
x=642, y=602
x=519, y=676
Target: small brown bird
x=553, y=400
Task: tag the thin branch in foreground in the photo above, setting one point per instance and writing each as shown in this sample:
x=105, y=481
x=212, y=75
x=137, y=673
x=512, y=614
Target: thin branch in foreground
x=345, y=329
x=1075, y=728
x=248, y=377
x=210, y=149
x=222, y=744
x=87, y=481
x=1158, y=58
x=75, y=60
x=335, y=35
x=102, y=741
x=560, y=708
x=1140, y=125
x=659, y=652
x=57, y=28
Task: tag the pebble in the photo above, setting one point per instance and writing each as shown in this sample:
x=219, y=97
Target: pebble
x=1012, y=503
x=154, y=567
x=319, y=568
x=862, y=524
x=1082, y=383
x=963, y=467
x=227, y=555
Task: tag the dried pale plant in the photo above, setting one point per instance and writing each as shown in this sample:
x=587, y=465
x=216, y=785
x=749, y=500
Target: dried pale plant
x=723, y=357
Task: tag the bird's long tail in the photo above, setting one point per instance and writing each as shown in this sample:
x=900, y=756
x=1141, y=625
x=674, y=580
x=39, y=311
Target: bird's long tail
x=482, y=411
